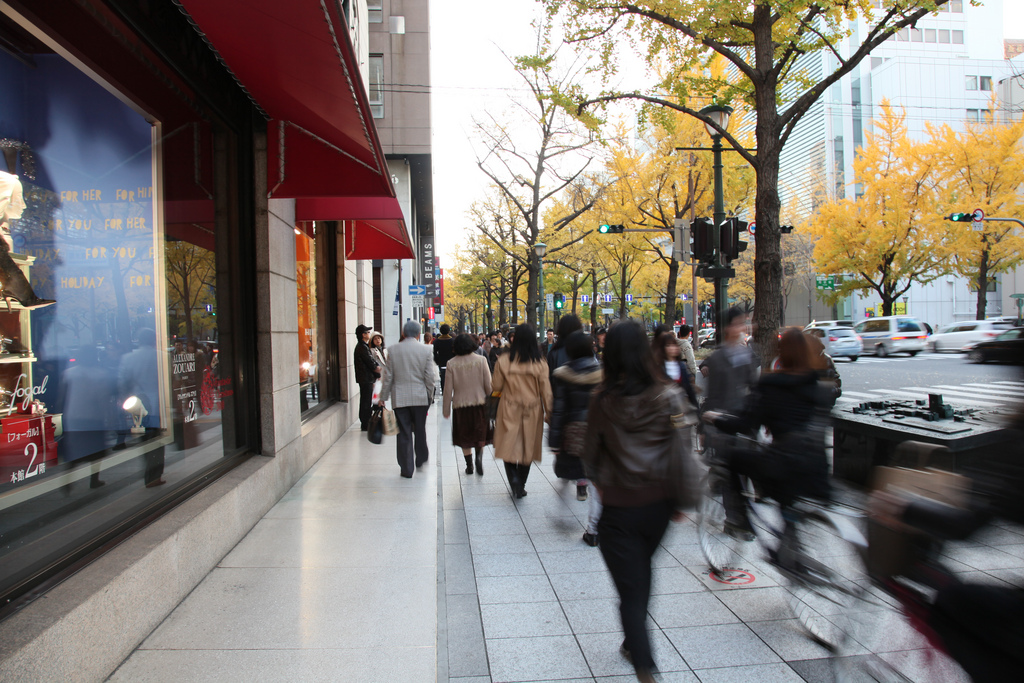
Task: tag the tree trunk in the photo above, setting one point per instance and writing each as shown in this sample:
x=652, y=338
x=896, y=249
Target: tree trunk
x=670, y=293
x=982, y=283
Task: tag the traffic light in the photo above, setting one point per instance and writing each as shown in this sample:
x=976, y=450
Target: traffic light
x=962, y=217
x=785, y=229
x=701, y=242
x=559, y=302
x=606, y=229
x=731, y=244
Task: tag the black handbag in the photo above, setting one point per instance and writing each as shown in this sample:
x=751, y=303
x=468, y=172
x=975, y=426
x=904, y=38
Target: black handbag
x=492, y=405
x=375, y=429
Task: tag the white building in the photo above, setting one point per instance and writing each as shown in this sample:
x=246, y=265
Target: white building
x=946, y=70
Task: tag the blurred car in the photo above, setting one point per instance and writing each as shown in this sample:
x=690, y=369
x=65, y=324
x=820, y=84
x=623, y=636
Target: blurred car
x=703, y=333
x=829, y=323
x=962, y=336
x=709, y=341
x=1008, y=347
x=892, y=334
x=839, y=342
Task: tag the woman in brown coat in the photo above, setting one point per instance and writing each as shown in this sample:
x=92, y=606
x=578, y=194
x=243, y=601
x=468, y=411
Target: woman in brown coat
x=466, y=389
x=521, y=375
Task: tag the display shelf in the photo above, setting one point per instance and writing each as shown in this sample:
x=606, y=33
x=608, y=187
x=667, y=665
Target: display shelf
x=17, y=358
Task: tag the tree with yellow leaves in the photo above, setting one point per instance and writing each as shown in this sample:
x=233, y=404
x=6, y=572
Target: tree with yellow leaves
x=891, y=236
x=982, y=167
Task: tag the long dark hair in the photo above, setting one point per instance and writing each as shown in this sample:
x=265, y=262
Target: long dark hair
x=628, y=363
x=567, y=324
x=524, y=347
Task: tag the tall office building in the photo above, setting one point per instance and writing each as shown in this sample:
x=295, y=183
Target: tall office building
x=945, y=70
x=398, y=63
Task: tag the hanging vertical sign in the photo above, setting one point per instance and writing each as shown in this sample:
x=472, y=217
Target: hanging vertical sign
x=398, y=297
x=427, y=265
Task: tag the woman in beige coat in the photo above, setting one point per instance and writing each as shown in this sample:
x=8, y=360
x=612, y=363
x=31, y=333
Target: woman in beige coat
x=467, y=385
x=521, y=375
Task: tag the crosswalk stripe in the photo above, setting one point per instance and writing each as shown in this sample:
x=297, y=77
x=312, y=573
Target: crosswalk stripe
x=1009, y=391
x=857, y=395
x=1010, y=382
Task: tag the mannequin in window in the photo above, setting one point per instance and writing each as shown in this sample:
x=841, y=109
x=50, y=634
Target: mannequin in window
x=13, y=283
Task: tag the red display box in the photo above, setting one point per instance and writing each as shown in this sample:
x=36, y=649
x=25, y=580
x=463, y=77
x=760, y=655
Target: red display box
x=28, y=446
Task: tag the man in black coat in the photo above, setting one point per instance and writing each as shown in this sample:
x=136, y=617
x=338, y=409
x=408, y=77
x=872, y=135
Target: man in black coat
x=444, y=350
x=367, y=372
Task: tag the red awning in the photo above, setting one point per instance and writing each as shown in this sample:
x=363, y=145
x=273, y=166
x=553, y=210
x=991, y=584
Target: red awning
x=374, y=228
x=297, y=62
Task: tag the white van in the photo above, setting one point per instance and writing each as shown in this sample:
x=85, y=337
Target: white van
x=892, y=334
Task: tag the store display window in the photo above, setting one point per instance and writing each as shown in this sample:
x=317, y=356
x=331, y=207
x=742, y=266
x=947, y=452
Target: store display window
x=314, y=246
x=116, y=360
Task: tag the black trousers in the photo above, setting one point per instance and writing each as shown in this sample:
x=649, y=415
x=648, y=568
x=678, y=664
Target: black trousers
x=365, y=401
x=629, y=538
x=412, y=426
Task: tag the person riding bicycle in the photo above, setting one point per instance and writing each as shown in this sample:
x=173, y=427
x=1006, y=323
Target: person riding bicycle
x=790, y=404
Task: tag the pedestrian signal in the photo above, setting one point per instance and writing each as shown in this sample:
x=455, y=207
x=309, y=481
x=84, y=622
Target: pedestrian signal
x=606, y=229
x=559, y=302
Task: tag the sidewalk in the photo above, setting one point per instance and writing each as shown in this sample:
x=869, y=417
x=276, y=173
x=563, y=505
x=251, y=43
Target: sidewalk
x=360, y=575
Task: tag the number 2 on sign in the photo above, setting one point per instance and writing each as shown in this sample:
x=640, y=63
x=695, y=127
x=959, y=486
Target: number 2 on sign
x=32, y=471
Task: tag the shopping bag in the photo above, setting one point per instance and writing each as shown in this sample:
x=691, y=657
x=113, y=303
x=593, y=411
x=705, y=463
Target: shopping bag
x=375, y=430
x=389, y=422
x=377, y=386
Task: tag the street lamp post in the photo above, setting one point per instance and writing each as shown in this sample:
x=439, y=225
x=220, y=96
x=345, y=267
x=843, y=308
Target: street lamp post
x=720, y=115
x=540, y=249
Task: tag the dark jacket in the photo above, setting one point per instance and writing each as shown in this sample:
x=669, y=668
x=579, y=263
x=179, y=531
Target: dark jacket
x=638, y=448
x=572, y=385
x=365, y=364
x=685, y=381
x=557, y=357
x=794, y=409
x=493, y=355
x=443, y=350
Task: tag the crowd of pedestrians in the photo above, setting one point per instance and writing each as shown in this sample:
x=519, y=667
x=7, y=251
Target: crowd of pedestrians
x=622, y=409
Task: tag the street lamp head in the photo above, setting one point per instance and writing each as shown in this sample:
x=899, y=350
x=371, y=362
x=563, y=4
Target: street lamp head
x=540, y=249
x=719, y=113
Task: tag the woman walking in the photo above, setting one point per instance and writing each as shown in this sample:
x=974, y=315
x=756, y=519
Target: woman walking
x=521, y=375
x=668, y=359
x=467, y=386
x=638, y=456
x=572, y=385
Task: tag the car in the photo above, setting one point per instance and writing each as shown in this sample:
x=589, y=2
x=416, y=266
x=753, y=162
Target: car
x=839, y=342
x=709, y=341
x=703, y=333
x=829, y=323
x=1008, y=347
x=962, y=336
x=892, y=334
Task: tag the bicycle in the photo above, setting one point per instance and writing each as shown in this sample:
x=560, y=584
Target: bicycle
x=820, y=554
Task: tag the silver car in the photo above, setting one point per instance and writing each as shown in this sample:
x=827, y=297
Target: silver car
x=839, y=342
x=892, y=334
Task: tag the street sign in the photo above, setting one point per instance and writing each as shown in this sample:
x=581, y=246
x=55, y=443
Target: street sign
x=827, y=282
x=752, y=228
x=417, y=290
x=978, y=220
x=607, y=311
x=417, y=301
x=629, y=298
x=584, y=298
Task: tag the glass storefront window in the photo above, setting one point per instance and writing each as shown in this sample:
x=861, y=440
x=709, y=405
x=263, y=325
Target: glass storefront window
x=310, y=393
x=116, y=367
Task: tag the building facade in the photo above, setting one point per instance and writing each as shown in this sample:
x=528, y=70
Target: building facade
x=192, y=198
x=945, y=71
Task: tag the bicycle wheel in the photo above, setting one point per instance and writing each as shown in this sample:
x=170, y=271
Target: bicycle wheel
x=823, y=573
x=718, y=548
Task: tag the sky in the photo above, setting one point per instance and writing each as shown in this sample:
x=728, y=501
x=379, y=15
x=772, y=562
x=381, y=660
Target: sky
x=470, y=76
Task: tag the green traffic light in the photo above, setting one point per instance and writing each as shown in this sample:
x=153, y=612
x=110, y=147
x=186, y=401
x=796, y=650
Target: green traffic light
x=960, y=217
x=604, y=229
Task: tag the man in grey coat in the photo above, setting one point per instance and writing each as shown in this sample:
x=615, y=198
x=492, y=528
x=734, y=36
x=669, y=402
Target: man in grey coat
x=412, y=381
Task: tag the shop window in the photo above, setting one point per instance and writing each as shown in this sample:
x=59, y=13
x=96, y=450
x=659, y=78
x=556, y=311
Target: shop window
x=375, y=11
x=314, y=245
x=117, y=359
x=377, y=86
